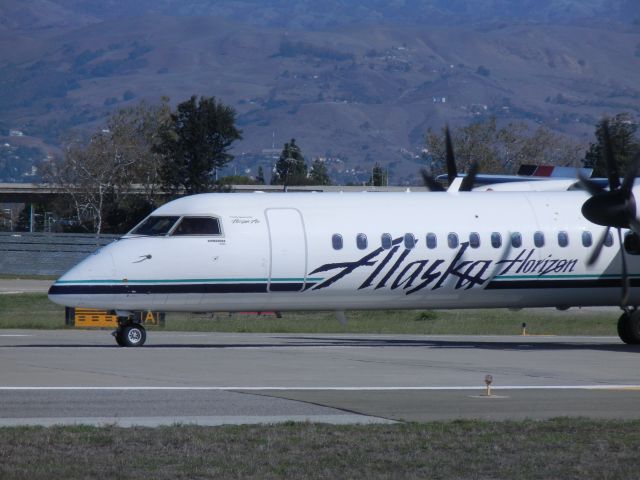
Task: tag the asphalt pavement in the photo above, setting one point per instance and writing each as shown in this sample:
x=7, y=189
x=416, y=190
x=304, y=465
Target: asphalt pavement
x=72, y=376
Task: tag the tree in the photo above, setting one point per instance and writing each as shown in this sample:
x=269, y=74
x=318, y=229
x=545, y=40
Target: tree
x=624, y=144
x=378, y=176
x=318, y=174
x=98, y=174
x=501, y=150
x=196, y=144
x=260, y=176
x=137, y=130
x=291, y=169
x=91, y=175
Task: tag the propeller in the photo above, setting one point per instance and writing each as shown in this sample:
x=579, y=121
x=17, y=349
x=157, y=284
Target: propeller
x=613, y=208
x=452, y=172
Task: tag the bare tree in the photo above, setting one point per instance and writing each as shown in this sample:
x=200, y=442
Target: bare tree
x=89, y=174
x=97, y=174
x=503, y=150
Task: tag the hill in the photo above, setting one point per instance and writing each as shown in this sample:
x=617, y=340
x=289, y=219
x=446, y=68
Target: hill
x=358, y=85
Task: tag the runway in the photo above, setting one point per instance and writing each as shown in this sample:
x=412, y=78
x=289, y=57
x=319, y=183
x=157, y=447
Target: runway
x=13, y=286
x=69, y=376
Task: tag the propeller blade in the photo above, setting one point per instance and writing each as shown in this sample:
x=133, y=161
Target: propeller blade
x=612, y=167
x=625, y=275
x=452, y=170
x=596, y=251
x=470, y=178
x=590, y=186
x=431, y=183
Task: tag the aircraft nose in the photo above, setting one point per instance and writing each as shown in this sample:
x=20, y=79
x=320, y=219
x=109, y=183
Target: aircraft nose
x=98, y=268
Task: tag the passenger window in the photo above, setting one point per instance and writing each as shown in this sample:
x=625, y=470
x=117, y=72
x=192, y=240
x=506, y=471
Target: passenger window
x=474, y=240
x=432, y=240
x=587, y=241
x=609, y=240
x=538, y=239
x=516, y=240
x=386, y=241
x=155, y=226
x=361, y=241
x=198, y=226
x=336, y=241
x=409, y=240
x=452, y=240
x=563, y=239
x=496, y=240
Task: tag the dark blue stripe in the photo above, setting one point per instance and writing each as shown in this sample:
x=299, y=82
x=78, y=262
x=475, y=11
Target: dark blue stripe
x=172, y=288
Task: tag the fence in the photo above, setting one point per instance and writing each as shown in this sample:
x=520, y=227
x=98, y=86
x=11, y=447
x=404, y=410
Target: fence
x=46, y=253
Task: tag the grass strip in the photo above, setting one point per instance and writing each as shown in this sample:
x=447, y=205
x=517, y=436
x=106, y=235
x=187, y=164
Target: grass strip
x=557, y=448
x=34, y=310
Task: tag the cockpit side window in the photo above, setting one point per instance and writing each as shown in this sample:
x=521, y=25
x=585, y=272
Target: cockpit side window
x=155, y=226
x=198, y=226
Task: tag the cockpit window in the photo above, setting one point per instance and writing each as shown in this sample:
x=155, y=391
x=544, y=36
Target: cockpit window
x=198, y=226
x=155, y=225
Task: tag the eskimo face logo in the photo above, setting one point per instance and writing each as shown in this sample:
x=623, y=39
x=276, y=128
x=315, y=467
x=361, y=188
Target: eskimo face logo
x=393, y=271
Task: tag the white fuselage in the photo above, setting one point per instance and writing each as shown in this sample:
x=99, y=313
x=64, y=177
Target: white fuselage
x=276, y=252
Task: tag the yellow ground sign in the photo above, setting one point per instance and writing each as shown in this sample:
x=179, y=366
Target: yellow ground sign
x=89, y=317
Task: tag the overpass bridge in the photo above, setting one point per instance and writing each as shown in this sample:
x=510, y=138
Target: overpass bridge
x=44, y=193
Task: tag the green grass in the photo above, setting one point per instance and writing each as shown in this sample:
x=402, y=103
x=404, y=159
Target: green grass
x=445, y=322
x=30, y=310
x=558, y=448
x=36, y=311
x=27, y=277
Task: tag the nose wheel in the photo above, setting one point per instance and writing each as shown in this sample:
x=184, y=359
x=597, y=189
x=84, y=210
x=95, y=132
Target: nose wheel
x=130, y=335
x=629, y=327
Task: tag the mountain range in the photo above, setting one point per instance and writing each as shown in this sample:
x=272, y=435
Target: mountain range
x=356, y=82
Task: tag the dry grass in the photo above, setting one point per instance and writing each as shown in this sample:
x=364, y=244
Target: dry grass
x=560, y=448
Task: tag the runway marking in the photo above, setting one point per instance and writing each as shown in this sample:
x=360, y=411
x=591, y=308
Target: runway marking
x=14, y=335
x=329, y=388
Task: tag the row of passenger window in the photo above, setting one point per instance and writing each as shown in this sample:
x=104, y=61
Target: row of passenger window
x=453, y=240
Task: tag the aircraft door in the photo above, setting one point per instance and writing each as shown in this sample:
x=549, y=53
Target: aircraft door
x=288, y=250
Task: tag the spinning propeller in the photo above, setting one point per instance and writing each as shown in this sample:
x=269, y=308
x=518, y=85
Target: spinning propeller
x=452, y=172
x=613, y=208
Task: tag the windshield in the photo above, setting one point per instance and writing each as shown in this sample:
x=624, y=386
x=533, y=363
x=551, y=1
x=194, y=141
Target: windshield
x=198, y=226
x=155, y=226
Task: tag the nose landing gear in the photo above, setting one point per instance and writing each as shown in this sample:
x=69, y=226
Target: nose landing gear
x=129, y=333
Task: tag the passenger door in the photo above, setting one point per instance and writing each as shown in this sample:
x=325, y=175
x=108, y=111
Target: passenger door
x=288, y=250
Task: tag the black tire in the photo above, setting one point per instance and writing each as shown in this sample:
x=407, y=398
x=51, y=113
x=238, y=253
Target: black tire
x=629, y=328
x=133, y=335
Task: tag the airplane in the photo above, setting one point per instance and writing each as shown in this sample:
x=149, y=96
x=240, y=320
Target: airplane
x=346, y=251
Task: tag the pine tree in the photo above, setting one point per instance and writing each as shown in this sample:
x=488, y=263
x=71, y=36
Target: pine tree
x=260, y=176
x=318, y=174
x=291, y=169
x=378, y=176
x=195, y=145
